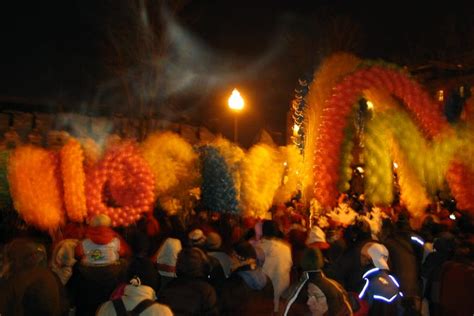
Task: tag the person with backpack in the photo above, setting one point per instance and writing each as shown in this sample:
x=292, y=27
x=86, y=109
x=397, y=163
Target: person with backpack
x=381, y=290
x=137, y=299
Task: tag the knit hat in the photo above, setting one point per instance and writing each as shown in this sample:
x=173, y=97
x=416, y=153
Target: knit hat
x=100, y=220
x=214, y=241
x=317, y=238
x=379, y=255
x=197, y=238
x=312, y=259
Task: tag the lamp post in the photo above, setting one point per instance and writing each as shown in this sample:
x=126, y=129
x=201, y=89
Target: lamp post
x=236, y=104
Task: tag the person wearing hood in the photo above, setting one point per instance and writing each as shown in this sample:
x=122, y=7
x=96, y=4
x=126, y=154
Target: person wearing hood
x=101, y=246
x=138, y=297
x=381, y=289
x=331, y=299
x=248, y=290
x=190, y=293
x=100, y=269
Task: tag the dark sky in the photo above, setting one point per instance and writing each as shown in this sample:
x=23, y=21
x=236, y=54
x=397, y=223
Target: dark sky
x=111, y=56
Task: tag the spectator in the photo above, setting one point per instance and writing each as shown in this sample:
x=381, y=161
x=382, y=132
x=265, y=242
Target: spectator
x=216, y=274
x=101, y=268
x=213, y=247
x=381, y=290
x=138, y=296
x=314, y=285
x=166, y=258
x=248, y=290
x=190, y=293
x=28, y=286
x=278, y=260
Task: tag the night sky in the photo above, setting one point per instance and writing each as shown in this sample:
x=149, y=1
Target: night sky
x=108, y=57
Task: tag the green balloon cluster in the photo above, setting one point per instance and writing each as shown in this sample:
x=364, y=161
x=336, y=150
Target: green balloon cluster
x=378, y=163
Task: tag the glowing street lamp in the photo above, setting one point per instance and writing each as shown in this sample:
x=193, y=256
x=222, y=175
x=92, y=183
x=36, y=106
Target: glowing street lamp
x=236, y=104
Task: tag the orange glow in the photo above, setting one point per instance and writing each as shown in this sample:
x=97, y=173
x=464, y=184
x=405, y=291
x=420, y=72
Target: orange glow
x=236, y=102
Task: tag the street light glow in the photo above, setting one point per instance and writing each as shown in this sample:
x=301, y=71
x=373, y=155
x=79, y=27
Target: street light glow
x=235, y=101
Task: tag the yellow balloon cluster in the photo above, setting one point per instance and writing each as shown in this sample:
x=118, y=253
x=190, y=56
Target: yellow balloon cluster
x=172, y=161
x=74, y=179
x=429, y=159
x=412, y=192
x=262, y=172
x=34, y=186
x=293, y=165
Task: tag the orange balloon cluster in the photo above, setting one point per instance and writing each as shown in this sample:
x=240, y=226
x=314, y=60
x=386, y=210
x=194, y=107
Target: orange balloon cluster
x=35, y=186
x=74, y=178
x=338, y=108
x=121, y=186
x=461, y=183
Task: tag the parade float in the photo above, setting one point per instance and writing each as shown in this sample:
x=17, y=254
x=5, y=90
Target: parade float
x=368, y=116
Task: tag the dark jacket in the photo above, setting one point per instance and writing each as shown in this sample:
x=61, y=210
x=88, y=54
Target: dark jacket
x=92, y=286
x=189, y=296
x=382, y=292
x=36, y=291
x=143, y=268
x=216, y=275
x=337, y=298
x=348, y=270
x=246, y=292
x=404, y=264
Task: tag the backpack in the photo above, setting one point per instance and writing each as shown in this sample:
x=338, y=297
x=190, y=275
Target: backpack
x=120, y=309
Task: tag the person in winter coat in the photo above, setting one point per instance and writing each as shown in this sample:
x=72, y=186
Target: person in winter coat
x=216, y=274
x=166, y=258
x=64, y=257
x=432, y=268
x=405, y=260
x=100, y=269
x=190, y=293
x=248, y=290
x=315, y=294
x=138, y=296
x=347, y=270
x=381, y=289
x=213, y=247
x=278, y=260
x=101, y=246
x=27, y=286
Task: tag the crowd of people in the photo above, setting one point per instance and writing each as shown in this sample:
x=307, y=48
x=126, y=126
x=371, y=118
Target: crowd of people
x=221, y=264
